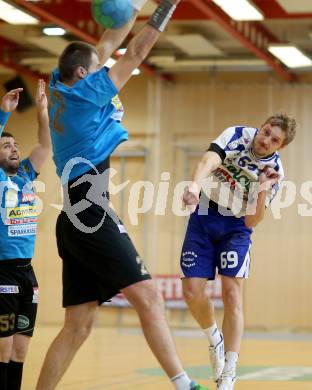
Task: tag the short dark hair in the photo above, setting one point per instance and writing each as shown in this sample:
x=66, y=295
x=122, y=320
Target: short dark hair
x=75, y=54
x=7, y=134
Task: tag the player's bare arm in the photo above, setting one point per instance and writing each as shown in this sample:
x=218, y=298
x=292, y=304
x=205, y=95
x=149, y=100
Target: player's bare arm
x=41, y=151
x=10, y=100
x=137, y=50
x=209, y=162
x=267, y=179
x=112, y=39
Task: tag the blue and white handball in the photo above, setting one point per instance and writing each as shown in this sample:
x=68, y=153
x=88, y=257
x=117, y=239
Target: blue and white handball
x=112, y=14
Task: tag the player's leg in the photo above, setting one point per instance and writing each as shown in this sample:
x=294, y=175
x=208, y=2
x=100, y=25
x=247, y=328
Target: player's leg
x=81, y=304
x=121, y=269
x=17, y=359
x=25, y=325
x=233, y=321
x=77, y=326
x=148, y=303
x=9, y=304
x=233, y=327
x=6, y=344
x=202, y=309
x=233, y=263
x=198, y=265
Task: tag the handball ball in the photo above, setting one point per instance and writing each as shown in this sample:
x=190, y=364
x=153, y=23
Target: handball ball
x=112, y=14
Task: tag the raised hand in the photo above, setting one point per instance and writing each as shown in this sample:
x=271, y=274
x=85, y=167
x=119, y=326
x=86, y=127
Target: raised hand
x=269, y=177
x=10, y=100
x=191, y=196
x=41, y=97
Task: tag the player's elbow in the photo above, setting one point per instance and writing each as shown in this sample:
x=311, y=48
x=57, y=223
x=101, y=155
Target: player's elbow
x=251, y=221
x=135, y=52
x=250, y=224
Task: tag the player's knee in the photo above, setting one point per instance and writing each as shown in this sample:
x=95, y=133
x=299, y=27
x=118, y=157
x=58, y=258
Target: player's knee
x=5, y=351
x=19, y=352
x=79, y=334
x=151, y=302
x=191, y=292
x=19, y=355
x=79, y=329
x=232, y=299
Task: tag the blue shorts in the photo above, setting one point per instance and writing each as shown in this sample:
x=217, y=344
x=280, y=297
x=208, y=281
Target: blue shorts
x=213, y=242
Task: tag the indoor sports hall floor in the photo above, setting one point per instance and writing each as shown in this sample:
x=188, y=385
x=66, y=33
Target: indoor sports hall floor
x=119, y=359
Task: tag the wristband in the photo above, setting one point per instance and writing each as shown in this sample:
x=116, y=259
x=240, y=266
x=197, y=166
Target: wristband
x=138, y=4
x=162, y=15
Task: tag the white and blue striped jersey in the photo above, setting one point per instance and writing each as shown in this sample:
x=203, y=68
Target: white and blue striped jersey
x=235, y=183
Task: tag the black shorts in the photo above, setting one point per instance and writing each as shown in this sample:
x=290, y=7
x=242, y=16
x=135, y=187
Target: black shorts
x=96, y=266
x=18, y=297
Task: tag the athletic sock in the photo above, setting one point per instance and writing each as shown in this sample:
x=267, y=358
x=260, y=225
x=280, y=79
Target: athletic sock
x=213, y=335
x=230, y=360
x=181, y=381
x=14, y=375
x=3, y=375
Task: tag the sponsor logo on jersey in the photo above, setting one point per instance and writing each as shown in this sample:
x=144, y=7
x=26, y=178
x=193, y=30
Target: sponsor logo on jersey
x=28, y=197
x=234, y=144
x=9, y=289
x=23, y=230
x=223, y=176
x=22, y=322
x=119, y=113
x=22, y=221
x=22, y=212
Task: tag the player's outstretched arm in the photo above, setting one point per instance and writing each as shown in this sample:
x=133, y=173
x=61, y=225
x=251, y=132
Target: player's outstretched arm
x=9, y=103
x=209, y=162
x=41, y=151
x=10, y=100
x=112, y=39
x=142, y=43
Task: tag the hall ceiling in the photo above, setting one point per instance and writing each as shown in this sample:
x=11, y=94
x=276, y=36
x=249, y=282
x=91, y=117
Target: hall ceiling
x=201, y=37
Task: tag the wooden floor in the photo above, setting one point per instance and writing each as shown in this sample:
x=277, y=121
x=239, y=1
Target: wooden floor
x=118, y=359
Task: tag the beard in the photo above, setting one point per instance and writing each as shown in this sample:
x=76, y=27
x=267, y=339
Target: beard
x=10, y=167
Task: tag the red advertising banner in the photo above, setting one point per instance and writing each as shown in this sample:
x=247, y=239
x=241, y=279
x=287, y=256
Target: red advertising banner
x=171, y=288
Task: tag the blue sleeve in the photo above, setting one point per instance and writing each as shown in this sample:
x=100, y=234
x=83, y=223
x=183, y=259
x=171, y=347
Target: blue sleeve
x=27, y=168
x=3, y=175
x=97, y=87
x=4, y=116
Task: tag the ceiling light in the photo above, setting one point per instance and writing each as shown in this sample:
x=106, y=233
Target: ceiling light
x=110, y=62
x=240, y=9
x=136, y=72
x=289, y=55
x=14, y=15
x=54, y=31
x=121, y=51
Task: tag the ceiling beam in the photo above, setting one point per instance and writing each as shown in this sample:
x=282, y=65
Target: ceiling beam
x=57, y=15
x=8, y=59
x=252, y=35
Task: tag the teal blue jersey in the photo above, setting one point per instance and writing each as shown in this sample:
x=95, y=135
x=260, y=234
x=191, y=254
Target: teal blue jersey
x=18, y=217
x=85, y=121
x=18, y=222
